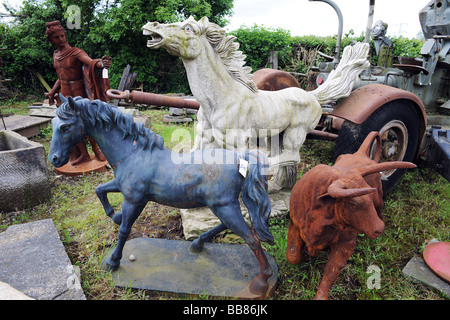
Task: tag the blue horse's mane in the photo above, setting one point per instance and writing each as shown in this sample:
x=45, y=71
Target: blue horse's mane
x=100, y=114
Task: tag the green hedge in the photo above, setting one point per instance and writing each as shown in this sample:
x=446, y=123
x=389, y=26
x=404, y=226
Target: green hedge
x=107, y=27
x=157, y=70
x=298, y=54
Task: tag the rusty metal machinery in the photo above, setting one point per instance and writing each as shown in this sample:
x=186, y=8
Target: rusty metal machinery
x=147, y=98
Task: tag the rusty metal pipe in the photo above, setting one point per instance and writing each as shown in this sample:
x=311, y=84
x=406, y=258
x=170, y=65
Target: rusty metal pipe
x=323, y=134
x=153, y=99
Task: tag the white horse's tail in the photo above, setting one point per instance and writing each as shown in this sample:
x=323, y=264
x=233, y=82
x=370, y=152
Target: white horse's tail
x=341, y=80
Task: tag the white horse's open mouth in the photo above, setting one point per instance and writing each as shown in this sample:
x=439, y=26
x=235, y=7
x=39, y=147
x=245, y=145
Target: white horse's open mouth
x=156, y=38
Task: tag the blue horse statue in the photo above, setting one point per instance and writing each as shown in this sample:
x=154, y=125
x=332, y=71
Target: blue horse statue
x=145, y=170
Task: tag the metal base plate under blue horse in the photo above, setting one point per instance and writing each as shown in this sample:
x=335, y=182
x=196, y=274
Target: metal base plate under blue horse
x=161, y=265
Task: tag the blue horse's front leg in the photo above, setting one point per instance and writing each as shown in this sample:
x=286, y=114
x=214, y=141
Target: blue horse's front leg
x=102, y=191
x=130, y=212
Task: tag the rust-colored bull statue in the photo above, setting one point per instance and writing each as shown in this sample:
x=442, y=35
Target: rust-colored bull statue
x=330, y=205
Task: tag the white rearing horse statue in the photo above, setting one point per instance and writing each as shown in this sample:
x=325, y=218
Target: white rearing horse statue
x=232, y=109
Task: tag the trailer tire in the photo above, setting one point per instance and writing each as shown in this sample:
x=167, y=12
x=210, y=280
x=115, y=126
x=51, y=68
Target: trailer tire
x=398, y=124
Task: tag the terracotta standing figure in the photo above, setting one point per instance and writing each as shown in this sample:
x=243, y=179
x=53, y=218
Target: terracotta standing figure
x=77, y=76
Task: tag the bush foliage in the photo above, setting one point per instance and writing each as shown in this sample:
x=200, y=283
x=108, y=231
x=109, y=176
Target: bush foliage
x=107, y=27
x=114, y=28
x=257, y=42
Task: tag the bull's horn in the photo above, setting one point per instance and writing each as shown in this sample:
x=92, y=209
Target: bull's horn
x=378, y=167
x=367, y=143
x=337, y=190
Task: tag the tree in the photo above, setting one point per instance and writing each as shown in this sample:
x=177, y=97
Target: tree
x=27, y=50
x=118, y=28
x=106, y=27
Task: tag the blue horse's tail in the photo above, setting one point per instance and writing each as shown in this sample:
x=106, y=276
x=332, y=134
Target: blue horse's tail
x=255, y=193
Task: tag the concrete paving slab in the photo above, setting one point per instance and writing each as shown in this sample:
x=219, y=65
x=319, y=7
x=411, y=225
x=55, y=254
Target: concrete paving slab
x=417, y=271
x=27, y=126
x=33, y=260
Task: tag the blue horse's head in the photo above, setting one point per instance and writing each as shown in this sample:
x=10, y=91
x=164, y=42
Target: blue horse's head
x=67, y=132
x=78, y=117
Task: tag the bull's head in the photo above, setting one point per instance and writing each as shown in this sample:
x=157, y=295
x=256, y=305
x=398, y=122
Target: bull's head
x=354, y=199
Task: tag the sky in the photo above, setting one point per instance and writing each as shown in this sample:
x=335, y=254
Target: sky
x=305, y=17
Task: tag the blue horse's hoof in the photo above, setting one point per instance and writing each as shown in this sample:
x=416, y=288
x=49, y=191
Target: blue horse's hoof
x=258, y=285
x=117, y=218
x=196, y=246
x=111, y=265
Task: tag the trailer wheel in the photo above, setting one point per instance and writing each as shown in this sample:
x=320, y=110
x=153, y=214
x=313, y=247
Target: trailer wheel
x=398, y=124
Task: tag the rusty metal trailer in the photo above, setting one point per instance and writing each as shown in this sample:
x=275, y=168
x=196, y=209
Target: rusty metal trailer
x=407, y=101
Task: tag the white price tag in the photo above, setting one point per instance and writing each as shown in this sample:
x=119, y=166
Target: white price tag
x=243, y=167
x=105, y=73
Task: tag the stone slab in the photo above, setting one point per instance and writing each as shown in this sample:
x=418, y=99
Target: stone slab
x=27, y=126
x=195, y=221
x=177, y=111
x=33, y=260
x=24, y=179
x=9, y=293
x=176, y=119
x=220, y=270
x=417, y=271
x=43, y=112
x=131, y=111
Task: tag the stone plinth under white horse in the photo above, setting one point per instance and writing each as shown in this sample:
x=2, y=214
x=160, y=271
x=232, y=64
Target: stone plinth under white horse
x=232, y=109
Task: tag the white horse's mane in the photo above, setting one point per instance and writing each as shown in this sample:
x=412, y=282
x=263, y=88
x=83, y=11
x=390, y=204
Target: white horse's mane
x=227, y=50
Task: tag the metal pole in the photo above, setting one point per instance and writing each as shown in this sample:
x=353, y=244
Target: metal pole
x=369, y=21
x=341, y=24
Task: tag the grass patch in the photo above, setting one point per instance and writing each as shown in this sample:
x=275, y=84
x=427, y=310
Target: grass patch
x=415, y=212
x=17, y=105
x=178, y=136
